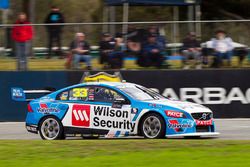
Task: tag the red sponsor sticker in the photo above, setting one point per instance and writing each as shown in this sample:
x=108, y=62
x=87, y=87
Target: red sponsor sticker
x=43, y=105
x=204, y=123
x=174, y=114
x=81, y=115
x=174, y=122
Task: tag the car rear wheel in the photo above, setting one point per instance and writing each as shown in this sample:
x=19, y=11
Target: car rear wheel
x=51, y=128
x=153, y=126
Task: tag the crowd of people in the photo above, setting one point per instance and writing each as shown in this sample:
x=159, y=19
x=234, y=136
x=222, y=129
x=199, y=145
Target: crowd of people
x=148, y=46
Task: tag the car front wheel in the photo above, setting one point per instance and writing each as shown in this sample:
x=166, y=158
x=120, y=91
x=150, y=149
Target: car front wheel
x=50, y=128
x=153, y=126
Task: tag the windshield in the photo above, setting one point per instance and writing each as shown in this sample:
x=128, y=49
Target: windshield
x=141, y=93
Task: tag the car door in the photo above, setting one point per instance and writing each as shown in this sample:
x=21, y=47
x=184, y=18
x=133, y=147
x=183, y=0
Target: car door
x=78, y=114
x=110, y=111
x=95, y=108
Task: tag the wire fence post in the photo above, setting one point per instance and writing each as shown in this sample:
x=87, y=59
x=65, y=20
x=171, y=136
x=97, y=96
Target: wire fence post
x=125, y=21
x=198, y=18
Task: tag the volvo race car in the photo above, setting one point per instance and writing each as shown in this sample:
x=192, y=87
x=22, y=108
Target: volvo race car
x=113, y=109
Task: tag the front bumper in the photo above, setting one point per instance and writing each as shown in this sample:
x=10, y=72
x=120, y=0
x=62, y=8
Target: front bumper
x=197, y=134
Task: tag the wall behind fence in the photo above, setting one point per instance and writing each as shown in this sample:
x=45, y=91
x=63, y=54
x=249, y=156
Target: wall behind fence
x=226, y=92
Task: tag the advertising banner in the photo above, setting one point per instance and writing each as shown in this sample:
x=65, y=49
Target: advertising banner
x=226, y=92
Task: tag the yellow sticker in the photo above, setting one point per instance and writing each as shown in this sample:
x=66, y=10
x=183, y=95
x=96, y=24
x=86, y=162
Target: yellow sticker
x=80, y=92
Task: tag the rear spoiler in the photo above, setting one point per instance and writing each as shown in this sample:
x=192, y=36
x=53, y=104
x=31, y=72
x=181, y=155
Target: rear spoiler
x=18, y=94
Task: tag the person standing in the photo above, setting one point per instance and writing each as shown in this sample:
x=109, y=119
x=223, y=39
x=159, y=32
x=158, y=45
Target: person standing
x=54, y=31
x=107, y=45
x=22, y=34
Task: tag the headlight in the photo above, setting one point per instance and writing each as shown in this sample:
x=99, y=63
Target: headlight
x=175, y=114
x=211, y=116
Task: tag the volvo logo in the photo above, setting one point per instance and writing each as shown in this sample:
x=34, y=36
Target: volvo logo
x=204, y=116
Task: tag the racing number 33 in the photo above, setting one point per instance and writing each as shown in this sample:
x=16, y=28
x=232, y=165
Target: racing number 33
x=81, y=115
x=80, y=92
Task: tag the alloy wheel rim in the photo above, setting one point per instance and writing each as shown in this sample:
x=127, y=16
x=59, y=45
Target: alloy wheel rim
x=152, y=127
x=50, y=129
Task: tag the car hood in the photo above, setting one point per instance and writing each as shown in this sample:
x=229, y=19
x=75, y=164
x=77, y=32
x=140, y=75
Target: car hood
x=186, y=106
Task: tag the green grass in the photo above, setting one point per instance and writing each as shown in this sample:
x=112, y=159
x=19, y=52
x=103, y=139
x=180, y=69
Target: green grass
x=126, y=152
x=42, y=64
x=9, y=64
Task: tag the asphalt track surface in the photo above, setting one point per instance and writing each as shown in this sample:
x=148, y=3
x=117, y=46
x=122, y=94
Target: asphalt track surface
x=230, y=129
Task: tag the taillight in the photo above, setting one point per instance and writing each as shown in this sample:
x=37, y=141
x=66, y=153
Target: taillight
x=29, y=108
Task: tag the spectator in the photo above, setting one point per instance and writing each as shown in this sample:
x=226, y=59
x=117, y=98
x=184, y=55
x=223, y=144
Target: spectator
x=152, y=53
x=223, y=48
x=22, y=34
x=54, y=31
x=117, y=55
x=133, y=40
x=80, y=50
x=107, y=45
x=161, y=40
x=191, y=51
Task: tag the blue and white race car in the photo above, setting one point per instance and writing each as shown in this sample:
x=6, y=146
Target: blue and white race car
x=113, y=109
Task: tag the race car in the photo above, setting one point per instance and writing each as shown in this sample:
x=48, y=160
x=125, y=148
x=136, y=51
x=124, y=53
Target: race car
x=113, y=109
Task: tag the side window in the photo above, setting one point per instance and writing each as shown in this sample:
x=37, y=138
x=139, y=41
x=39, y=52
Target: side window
x=95, y=94
x=63, y=96
x=79, y=93
x=102, y=94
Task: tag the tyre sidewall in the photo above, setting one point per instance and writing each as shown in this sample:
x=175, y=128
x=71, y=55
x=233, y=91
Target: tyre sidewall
x=59, y=136
x=162, y=132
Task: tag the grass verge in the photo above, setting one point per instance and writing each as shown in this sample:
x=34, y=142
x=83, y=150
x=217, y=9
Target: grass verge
x=42, y=64
x=126, y=152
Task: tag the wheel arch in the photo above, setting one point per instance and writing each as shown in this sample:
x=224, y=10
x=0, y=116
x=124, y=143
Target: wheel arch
x=49, y=115
x=60, y=135
x=144, y=115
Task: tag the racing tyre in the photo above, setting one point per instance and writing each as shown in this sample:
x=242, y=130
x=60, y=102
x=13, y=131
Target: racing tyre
x=50, y=128
x=153, y=126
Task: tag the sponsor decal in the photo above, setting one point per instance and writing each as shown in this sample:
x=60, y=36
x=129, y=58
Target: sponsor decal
x=81, y=115
x=152, y=105
x=91, y=94
x=80, y=92
x=155, y=105
x=134, y=111
x=103, y=117
x=17, y=93
x=101, y=77
x=210, y=95
x=64, y=96
x=204, y=123
x=174, y=114
x=45, y=109
x=177, y=126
